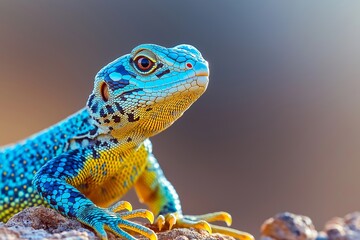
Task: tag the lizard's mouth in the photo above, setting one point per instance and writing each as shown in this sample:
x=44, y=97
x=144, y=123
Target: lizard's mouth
x=201, y=80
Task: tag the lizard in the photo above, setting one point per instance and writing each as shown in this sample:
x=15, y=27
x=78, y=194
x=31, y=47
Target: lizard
x=83, y=165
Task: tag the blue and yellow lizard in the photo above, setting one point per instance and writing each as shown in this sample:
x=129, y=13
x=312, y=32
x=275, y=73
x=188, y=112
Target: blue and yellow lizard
x=83, y=165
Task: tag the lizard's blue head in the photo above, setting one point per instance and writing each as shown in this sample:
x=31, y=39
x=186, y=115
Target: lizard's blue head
x=147, y=89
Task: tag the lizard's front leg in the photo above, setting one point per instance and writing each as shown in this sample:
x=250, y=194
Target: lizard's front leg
x=157, y=192
x=54, y=183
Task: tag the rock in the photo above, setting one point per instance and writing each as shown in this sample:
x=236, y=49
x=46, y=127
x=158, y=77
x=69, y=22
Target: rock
x=288, y=226
x=190, y=234
x=44, y=223
x=347, y=228
x=7, y=233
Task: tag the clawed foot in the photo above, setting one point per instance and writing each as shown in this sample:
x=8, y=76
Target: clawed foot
x=202, y=222
x=117, y=222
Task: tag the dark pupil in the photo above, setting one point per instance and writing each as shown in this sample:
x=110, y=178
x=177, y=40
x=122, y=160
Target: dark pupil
x=144, y=62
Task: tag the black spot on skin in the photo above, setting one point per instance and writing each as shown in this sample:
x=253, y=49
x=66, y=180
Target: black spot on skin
x=159, y=75
x=119, y=108
x=94, y=107
x=102, y=113
x=116, y=119
x=160, y=65
x=109, y=109
x=131, y=117
x=93, y=131
x=114, y=140
x=91, y=99
x=111, y=128
x=129, y=139
x=106, y=121
x=149, y=109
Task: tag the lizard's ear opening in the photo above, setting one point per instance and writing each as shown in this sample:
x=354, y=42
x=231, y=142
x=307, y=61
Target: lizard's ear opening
x=104, y=91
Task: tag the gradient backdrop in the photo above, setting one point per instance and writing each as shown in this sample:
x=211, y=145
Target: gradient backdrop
x=278, y=129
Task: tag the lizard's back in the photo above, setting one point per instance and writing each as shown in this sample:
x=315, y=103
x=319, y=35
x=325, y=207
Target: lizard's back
x=20, y=162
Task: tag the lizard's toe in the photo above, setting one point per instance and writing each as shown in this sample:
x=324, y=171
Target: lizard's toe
x=202, y=222
x=212, y=217
x=139, y=213
x=160, y=222
x=119, y=206
x=199, y=224
x=100, y=219
x=171, y=219
x=119, y=232
x=177, y=220
x=131, y=226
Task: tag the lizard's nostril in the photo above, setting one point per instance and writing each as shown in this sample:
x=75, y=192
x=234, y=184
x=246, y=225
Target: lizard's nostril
x=104, y=90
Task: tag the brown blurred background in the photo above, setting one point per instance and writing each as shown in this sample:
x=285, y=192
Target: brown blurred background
x=278, y=129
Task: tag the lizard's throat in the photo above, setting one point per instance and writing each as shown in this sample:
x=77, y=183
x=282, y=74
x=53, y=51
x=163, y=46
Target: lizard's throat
x=160, y=116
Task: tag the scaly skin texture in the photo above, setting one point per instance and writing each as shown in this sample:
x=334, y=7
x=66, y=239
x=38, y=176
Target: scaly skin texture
x=83, y=165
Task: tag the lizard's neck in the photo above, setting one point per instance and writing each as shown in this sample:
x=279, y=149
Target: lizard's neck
x=102, y=137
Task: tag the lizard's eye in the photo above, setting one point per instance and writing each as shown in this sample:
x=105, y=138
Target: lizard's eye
x=104, y=91
x=145, y=62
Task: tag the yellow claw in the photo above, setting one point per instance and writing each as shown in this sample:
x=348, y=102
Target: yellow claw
x=171, y=219
x=203, y=225
x=194, y=224
x=225, y=217
x=150, y=216
x=142, y=213
x=139, y=229
x=121, y=205
x=153, y=236
x=160, y=222
x=232, y=232
x=212, y=217
x=202, y=222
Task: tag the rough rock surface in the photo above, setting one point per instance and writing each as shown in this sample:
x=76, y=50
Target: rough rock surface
x=347, y=228
x=44, y=223
x=288, y=226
